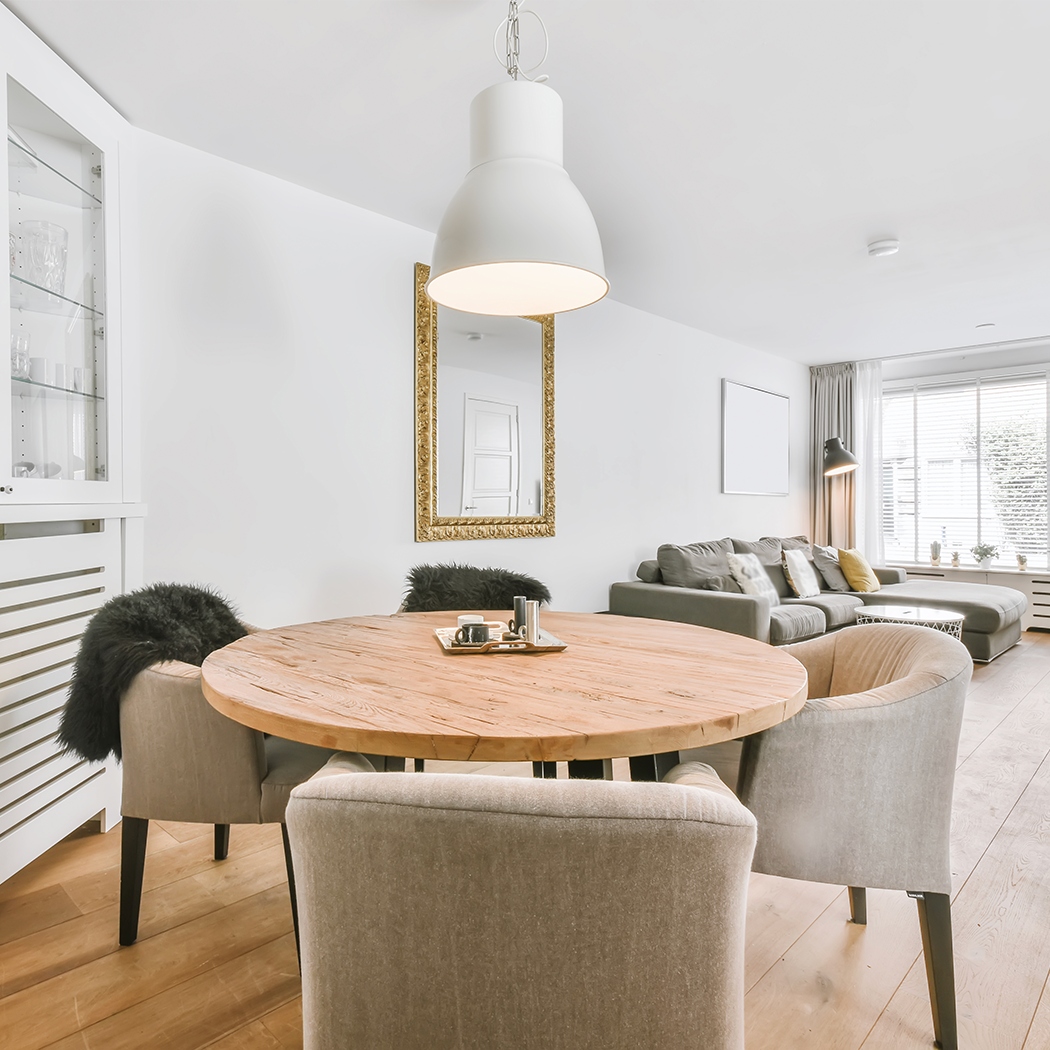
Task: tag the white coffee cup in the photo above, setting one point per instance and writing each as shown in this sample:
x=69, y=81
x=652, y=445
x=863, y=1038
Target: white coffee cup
x=39, y=370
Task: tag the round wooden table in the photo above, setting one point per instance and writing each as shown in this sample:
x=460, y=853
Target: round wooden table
x=624, y=686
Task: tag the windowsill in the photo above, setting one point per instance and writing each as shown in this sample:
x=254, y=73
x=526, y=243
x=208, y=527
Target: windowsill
x=1002, y=569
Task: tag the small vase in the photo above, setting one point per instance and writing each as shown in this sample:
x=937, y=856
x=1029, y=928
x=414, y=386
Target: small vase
x=1022, y=562
x=955, y=561
x=985, y=563
x=935, y=559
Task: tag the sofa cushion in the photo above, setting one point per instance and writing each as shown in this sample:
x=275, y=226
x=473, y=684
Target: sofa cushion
x=793, y=623
x=649, y=571
x=768, y=549
x=796, y=543
x=827, y=561
x=686, y=566
x=800, y=573
x=987, y=609
x=751, y=574
x=721, y=583
x=840, y=610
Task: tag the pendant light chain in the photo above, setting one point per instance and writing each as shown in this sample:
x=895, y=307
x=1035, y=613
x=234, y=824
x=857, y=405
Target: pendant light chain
x=512, y=45
x=513, y=40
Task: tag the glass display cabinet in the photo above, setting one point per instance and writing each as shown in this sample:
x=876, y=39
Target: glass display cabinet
x=60, y=401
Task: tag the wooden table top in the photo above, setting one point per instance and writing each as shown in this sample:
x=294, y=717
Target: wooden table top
x=624, y=686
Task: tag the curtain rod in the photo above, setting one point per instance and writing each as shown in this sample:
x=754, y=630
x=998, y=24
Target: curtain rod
x=1010, y=344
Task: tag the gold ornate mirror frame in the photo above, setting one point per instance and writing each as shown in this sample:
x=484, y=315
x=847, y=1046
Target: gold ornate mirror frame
x=429, y=525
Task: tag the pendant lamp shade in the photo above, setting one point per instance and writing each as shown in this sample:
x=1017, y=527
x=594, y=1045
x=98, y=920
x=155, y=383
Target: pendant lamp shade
x=518, y=237
x=837, y=458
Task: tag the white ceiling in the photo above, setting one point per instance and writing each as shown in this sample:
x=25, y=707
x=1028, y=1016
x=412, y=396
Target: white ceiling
x=738, y=155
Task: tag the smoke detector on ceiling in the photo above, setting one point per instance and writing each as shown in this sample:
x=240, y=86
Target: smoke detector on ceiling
x=885, y=247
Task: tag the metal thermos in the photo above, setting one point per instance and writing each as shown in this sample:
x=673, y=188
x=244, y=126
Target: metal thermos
x=517, y=625
x=532, y=622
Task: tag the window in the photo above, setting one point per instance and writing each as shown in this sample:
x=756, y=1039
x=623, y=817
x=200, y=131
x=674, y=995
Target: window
x=965, y=462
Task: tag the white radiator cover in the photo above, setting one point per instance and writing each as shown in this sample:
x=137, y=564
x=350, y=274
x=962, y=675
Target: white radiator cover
x=50, y=585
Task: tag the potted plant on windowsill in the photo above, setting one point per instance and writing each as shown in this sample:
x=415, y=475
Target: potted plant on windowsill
x=984, y=553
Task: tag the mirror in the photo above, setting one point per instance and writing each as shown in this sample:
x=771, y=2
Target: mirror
x=484, y=423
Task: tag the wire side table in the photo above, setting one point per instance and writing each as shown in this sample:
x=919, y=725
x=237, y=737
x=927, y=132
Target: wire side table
x=920, y=616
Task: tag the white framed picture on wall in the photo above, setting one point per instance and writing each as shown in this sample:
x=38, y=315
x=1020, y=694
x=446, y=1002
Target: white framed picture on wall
x=755, y=440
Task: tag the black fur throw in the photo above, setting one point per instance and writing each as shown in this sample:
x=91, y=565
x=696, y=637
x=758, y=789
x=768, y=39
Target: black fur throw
x=439, y=588
x=167, y=621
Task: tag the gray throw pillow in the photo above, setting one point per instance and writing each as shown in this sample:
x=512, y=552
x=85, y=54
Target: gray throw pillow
x=649, y=571
x=751, y=574
x=688, y=566
x=827, y=561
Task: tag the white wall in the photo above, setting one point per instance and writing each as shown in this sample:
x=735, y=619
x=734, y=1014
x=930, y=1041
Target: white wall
x=277, y=415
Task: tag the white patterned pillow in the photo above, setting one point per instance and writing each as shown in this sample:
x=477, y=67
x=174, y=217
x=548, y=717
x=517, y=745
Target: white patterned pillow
x=800, y=573
x=749, y=572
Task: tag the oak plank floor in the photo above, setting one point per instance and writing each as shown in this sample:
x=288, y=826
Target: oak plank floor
x=215, y=962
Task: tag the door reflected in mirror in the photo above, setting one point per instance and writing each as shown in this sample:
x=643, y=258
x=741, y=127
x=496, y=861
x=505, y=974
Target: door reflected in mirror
x=484, y=423
x=490, y=415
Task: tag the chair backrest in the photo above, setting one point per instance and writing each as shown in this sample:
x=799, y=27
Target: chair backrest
x=870, y=656
x=856, y=789
x=441, y=588
x=506, y=912
x=182, y=759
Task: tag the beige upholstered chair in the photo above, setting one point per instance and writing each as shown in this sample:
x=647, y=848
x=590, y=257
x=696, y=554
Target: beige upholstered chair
x=441, y=910
x=856, y=789
x=182, y=760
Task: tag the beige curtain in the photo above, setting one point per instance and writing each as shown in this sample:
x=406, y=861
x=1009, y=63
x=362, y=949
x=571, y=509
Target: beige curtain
x=834, y=499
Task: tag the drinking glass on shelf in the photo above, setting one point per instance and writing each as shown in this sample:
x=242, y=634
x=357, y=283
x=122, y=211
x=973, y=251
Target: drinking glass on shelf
x=44, y=246
x=19, y=356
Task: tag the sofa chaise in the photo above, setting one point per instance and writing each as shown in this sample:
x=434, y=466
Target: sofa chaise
x=693, y=584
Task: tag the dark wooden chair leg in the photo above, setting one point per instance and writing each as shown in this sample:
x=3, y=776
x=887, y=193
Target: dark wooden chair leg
x=935, y=924
x=420, y=765
x=545, y=770
x=222, y=841
x=133, y=835
x=858, y=905
x=291, y=892
x=653, y=767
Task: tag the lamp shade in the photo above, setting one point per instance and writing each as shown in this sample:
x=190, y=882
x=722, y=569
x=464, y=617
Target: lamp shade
x=518, y=237
x=837, y=458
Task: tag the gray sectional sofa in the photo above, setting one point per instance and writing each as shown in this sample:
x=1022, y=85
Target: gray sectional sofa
x=692, y=584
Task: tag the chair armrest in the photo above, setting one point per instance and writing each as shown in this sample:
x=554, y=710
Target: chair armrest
x=343, y=762
x=889, y=574
x=698, y=774
x=745, y=614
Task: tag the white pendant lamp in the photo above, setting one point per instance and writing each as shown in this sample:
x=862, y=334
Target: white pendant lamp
x=518, y=237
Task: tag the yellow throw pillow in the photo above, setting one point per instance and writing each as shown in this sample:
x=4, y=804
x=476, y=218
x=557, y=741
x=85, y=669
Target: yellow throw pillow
x=857, y=571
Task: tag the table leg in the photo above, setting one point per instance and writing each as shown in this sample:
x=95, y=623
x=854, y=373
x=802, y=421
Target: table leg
x=653, y=767
x=545, y=770
x=591, y=769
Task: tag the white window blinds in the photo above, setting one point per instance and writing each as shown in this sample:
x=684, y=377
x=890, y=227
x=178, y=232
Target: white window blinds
x=965, y=463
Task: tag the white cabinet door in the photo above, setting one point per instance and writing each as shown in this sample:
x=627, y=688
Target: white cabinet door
x=61, y=440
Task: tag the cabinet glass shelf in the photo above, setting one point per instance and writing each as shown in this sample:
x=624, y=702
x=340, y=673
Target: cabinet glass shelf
x=57, y=254
x=34, y=177
x=28, y=296
x=47, y=390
